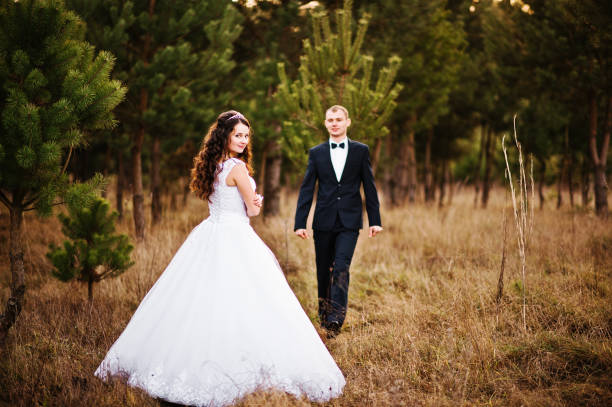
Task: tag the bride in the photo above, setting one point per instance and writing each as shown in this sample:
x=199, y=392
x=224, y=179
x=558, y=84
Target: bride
x=221, y=321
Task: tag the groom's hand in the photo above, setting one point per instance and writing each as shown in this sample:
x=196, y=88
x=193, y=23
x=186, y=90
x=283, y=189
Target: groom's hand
x=302, y=233
x=374, y=230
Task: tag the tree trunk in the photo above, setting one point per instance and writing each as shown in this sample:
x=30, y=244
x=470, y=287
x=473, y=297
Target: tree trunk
x=137, y=193
x=120, y=183
x=412, y=164
x=599, y=157
x=406, y=184
x=486, y=178
x=442, y=182
x=403, y=180
x=541, y=183
x=173, y=206
x=479, y=166
x=107, y=165
x=601, y=191
x=564, y=172
x=560, y=183
x=429, y=188
x=585, y=180
x=375, y=157
x=399, y=180
x=273, y=177
x=570, y=181
x=451, y=184
x=261, y=176
x=156, y=207
x=392, y=168
x=186, y=192
x=15, y=301
x=570, y=167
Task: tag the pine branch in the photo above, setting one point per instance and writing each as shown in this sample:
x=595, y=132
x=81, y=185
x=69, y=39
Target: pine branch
x=4, y=199
x=131, y=47
x=30, y=201
x=33, y=208
x=308, y=124
x=98, y=69
x=65, y=164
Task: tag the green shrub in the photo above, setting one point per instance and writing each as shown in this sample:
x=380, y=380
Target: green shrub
x=95, y=251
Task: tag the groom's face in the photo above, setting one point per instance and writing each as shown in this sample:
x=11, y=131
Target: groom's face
x=336, y=123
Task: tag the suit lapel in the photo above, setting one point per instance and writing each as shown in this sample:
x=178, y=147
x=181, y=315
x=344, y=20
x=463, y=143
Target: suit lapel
x=327, y=159
x=348, y=164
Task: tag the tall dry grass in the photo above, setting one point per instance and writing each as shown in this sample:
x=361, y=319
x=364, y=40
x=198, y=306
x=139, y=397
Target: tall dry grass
x=523, y=213
x=423, y=327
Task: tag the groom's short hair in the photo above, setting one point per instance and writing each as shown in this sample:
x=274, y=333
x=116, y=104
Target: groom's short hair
x=335, y=108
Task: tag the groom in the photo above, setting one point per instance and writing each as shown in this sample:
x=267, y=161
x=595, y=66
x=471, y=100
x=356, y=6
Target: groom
x=340, y=166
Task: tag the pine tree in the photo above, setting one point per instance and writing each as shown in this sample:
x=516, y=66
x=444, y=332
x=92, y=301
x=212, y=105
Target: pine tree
x=54, y=89
x=172, y=55
x=431, y=48
x=272, y=33
x=333, y=70
x=96, y=252
x=571, y=46
x=565, y=46
x=259, y=81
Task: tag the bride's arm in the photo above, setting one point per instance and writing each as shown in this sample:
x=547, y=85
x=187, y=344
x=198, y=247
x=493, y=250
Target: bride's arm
x=239, y=177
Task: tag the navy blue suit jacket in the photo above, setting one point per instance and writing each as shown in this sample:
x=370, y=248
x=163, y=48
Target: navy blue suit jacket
x=338, y=198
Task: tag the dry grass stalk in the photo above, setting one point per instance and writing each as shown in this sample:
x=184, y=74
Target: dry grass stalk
x=523, y=212
x=500, y=282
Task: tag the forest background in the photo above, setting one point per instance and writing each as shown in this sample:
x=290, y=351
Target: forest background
x=432, y=87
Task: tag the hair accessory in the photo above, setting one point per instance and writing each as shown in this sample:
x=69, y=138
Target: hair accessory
x=238, y=115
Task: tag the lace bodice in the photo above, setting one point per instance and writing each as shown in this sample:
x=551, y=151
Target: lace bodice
x=226, y=202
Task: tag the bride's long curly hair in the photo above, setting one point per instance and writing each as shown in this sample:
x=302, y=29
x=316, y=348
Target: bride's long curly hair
x=215, y=148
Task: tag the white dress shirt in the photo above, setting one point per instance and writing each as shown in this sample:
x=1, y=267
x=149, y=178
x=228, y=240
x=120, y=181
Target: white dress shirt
x=338, y=156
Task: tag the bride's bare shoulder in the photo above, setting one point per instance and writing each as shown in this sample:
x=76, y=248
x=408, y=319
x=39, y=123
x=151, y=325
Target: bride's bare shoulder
x=237, y=172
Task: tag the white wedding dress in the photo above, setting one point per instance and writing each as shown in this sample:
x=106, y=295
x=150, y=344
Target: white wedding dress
x=221, y=321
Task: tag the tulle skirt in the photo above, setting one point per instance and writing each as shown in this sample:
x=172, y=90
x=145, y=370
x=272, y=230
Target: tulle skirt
x=220, y=323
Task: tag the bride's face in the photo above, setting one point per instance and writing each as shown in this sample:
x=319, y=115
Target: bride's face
x=238, y=139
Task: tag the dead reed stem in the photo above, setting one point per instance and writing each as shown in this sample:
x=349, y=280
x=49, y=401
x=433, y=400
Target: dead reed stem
x=523, y=212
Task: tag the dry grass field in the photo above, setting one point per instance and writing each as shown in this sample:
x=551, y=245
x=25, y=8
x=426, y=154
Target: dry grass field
x=423, y=327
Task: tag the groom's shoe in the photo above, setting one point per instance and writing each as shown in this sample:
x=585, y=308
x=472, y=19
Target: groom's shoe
x=333, y=329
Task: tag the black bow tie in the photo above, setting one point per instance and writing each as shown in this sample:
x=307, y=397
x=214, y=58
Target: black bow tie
x=334, y=145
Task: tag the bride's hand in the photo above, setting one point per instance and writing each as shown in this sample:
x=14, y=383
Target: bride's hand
x=258, y=200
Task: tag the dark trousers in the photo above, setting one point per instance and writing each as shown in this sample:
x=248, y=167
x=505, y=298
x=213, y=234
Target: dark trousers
x=334, y=251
